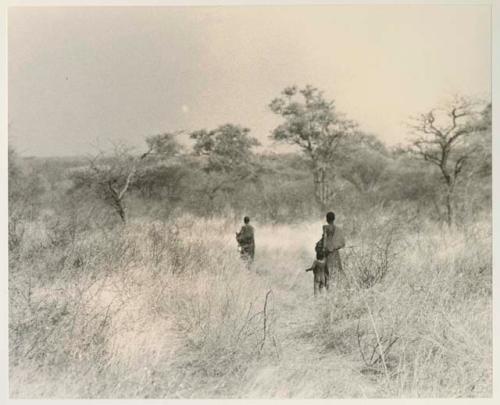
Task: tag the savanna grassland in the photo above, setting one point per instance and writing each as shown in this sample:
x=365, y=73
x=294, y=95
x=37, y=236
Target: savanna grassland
x=166, y=309
x=125, y=280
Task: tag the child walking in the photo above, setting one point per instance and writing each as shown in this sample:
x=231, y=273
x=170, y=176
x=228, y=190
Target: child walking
x=319, y=270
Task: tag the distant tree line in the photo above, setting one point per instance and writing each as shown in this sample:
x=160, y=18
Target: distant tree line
x=444, y=170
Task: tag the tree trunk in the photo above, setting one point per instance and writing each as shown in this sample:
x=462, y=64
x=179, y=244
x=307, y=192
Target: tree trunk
x=121, y=211
x=320, y=186
x=449, y=207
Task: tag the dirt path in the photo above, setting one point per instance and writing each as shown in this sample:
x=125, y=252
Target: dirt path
x=306, y=368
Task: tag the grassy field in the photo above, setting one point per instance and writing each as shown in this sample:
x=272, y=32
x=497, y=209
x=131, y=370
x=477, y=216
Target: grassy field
x=167, y=310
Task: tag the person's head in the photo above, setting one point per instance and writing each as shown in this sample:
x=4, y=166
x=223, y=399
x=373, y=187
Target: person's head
x=330, y=217
x=246, y=220
x=320, y=255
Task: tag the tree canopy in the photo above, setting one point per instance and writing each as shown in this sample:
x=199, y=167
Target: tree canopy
x=310, y=121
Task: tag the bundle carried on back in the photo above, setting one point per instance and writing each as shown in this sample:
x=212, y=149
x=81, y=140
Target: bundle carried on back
x=331, y=240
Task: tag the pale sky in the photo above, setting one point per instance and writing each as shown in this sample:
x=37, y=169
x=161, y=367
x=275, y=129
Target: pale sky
x=81, y=78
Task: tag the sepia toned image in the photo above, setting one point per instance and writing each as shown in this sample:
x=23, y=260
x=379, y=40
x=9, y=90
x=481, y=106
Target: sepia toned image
x=282, y=201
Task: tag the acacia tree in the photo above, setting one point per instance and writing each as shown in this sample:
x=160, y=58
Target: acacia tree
x=162, y=146
x=228, y=157
x=110, y=178
x=162, y=168
x=363, y=161
x=313, y=124
x=444, y=138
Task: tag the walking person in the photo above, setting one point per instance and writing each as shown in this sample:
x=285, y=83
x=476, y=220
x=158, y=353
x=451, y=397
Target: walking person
x=319, y=270
x=333, y=240
x=246, y=241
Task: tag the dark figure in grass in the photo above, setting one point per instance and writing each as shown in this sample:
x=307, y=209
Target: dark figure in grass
x=320, y=273
x=332, y=240
x=246, y=241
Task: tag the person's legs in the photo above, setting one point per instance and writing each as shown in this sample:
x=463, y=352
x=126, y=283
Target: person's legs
x=337, y=271
x=246, y=256
x=248, y=261
x=316, y=288
x=330, y=269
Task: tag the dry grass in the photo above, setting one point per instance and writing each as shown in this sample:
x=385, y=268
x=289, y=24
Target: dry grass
x=155, y=310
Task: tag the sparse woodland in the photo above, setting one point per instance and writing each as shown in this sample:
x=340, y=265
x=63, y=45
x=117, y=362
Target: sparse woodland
x=125, y=281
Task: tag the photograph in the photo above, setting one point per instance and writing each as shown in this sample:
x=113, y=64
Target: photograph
x=242, y=201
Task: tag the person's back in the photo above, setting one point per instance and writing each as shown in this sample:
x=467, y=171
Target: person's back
x=246, y=234
x=333, y=240
x=246, y=240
